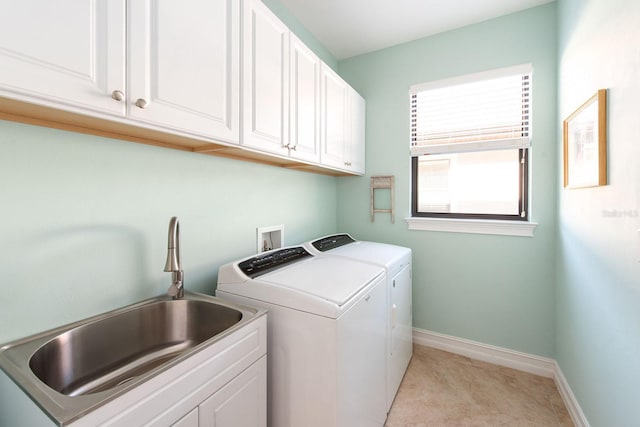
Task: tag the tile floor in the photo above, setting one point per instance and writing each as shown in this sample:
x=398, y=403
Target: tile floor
x=445, y=389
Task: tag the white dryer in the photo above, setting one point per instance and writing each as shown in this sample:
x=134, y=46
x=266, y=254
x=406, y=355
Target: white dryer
x=326, y=335
x=397, y=262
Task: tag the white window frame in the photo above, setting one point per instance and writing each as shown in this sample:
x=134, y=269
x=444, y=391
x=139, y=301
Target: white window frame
x=474, y=225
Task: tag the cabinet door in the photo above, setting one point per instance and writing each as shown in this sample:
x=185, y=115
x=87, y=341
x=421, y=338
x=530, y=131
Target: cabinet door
x=265, y=79
x=356, y=143
x=334, y=112
x=184, y=65
x=305, y=102
x=240, y=403
x=189, y=420
x=67, y=54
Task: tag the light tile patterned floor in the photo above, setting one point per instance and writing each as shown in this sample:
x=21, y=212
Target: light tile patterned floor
x=445, y=389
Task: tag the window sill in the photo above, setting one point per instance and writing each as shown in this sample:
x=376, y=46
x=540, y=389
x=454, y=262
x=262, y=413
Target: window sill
x=474, y=226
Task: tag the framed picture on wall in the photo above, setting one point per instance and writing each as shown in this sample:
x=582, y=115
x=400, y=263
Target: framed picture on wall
x=585, y=144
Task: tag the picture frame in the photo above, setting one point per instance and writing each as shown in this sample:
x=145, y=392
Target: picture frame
x=585, y=144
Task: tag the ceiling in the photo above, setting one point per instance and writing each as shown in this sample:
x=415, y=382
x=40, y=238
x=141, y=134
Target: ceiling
x=353, y=27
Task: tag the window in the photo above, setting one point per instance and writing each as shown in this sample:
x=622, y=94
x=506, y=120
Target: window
x=470, y=142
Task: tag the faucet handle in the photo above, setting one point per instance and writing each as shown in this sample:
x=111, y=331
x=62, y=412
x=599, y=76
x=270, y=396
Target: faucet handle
x=173, y=291
x=176, y=290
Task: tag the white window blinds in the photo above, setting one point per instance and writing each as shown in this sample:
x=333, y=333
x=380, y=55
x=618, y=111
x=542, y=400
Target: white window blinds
x=484, y=111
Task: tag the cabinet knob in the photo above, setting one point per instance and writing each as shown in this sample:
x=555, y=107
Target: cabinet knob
x=141, y=103
x=118, y=95
x=292, y=147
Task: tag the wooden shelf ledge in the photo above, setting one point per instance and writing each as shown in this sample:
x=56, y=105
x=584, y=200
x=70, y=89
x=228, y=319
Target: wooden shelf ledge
x=39, y=115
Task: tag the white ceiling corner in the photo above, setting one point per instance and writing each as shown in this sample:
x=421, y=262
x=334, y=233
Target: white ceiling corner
x=354, y=27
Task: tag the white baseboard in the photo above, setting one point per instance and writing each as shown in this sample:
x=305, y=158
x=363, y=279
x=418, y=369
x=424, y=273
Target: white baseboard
x=509, y=358
x=570, y=401
x=487, y=353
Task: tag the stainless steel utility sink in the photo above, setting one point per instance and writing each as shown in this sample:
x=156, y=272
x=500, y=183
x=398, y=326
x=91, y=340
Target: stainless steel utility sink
x=106, y=353
x=73, y=369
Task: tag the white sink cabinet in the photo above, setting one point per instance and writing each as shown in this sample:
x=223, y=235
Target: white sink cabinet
x=241, y=403
x=222, y=385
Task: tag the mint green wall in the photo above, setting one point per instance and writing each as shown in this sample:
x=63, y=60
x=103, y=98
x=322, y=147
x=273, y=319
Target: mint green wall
x=84, y=220
x=598, y=282
x=301, y=32
x=492, y=289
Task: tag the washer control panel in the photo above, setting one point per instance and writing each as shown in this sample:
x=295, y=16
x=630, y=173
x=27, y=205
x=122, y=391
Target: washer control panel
x=332, y=242
x=264, y=263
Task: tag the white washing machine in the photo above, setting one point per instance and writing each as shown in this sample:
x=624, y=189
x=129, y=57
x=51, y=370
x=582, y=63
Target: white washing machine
x=326, y=335
x=397, y=262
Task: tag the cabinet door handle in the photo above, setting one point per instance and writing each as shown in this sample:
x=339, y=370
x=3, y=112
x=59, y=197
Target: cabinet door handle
x=141, y=103
x=118, y=95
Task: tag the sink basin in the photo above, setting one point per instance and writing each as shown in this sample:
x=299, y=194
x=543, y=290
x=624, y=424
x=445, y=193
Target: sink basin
x=109, y=352
x=74, y=369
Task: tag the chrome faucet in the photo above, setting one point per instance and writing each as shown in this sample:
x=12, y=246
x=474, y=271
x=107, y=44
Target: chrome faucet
x=174, y=262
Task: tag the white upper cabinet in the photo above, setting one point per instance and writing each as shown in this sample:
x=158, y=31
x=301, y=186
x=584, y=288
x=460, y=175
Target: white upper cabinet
x=169, y=72
x=355, y=150
x=265, y=79
x=69, y=53
x=305, y=102
x=342, y=125
x=184, y=65
x=335, y=115
x=178, y=68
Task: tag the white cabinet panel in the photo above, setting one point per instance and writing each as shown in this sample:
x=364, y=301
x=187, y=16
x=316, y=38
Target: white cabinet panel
x=241, y=403
x=305, y=102
x=356, y=144
x=184, y=65
x=265, y=79
x=334, y=98
x=343, y=113
x=69, y=52
x=189, y=420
